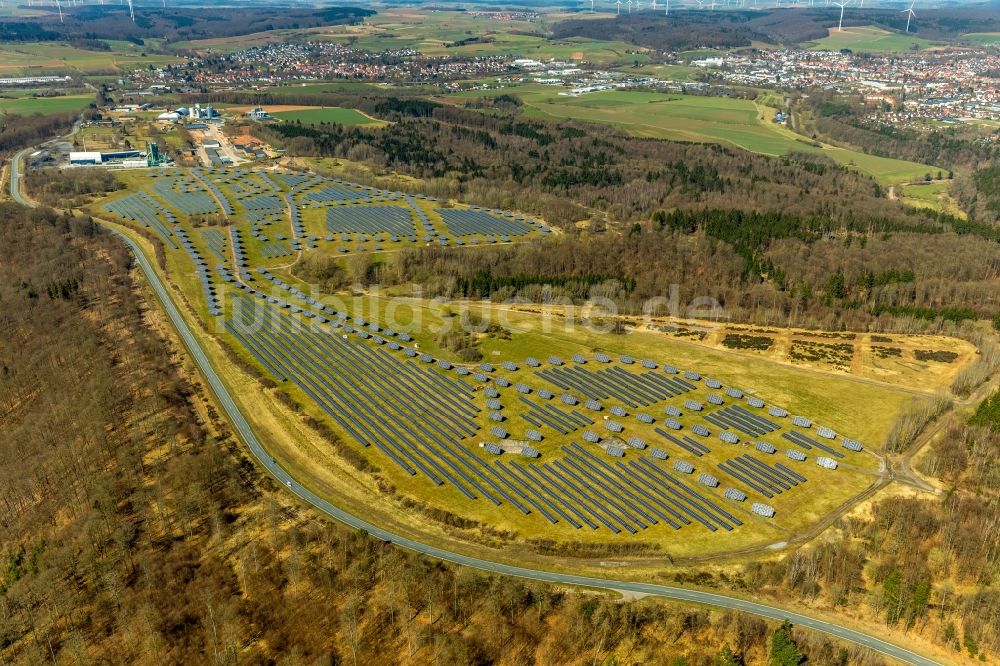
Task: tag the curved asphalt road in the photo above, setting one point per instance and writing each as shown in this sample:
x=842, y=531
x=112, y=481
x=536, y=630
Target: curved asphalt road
x=15, y=177
x=246, y=432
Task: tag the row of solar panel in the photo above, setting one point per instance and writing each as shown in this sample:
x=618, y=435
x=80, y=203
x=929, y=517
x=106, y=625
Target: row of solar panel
x=355, y=382
x=204, y=278
x=227, y=208
x=137, y=208
x=185, y=196
x=216, y=242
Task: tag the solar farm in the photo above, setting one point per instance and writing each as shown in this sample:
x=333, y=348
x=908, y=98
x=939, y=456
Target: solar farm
x=547, y=438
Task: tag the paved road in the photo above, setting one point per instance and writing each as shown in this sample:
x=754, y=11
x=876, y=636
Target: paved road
x=15, y=177
x=242, y=426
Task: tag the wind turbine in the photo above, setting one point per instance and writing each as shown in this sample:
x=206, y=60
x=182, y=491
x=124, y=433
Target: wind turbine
x=618, y=5
x=629, y=4
x=666, y=12
x=59, y=7
x=653, y=5
x=712, y=5
x=591, y=5
x=131, y=12
x=909, y=14
x=840, y=26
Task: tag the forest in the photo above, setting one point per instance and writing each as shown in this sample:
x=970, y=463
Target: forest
x=111, y=21
x=17, y=132
x=134, y=529
x=69, y=188
x=928, y=565
x=569, y=172
x=784, y=241
x=690, y=29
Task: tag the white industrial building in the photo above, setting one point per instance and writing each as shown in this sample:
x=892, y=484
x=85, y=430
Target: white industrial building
x=82, y=158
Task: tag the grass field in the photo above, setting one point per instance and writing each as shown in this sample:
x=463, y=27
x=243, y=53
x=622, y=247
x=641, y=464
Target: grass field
x=934, y=195
x=26, y=106
x=677, y=117
x=982, y=38
x=668, y=72
x=332, y=114
x=869, y=39
x=854, y=406
x=238, y=42
x=54, y=57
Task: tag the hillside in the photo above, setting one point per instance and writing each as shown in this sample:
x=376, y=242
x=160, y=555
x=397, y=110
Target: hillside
x=136, y=531
x=688, y=29
x=112, y=21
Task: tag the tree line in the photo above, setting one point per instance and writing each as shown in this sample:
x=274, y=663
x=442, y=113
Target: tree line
x=17, y=132
x=924, y=565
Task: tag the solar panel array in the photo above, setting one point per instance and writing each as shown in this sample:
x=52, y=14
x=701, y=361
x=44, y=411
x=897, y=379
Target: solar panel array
x=828, y=463
x=429, y=415
x=204, y=277
x=370, y=219
x=275, y=250
x=219, y=197
x=216, y=241
x=329, y=192
x=465, y=222
x=185, y=195
x=140, y=208
x=419, y=429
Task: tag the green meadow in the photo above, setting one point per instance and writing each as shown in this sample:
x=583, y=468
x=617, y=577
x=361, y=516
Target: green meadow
x=26, y=106
x=332, y=114
x=869, y=39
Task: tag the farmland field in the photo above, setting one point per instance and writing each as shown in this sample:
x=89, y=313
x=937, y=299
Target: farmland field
x=53, y=57
x=44, y=105
x=427, y=433
x=442, y=34
x=869, y=39
x=678, y=117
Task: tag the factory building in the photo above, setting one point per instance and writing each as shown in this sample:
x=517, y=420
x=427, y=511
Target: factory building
x=124, y=159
